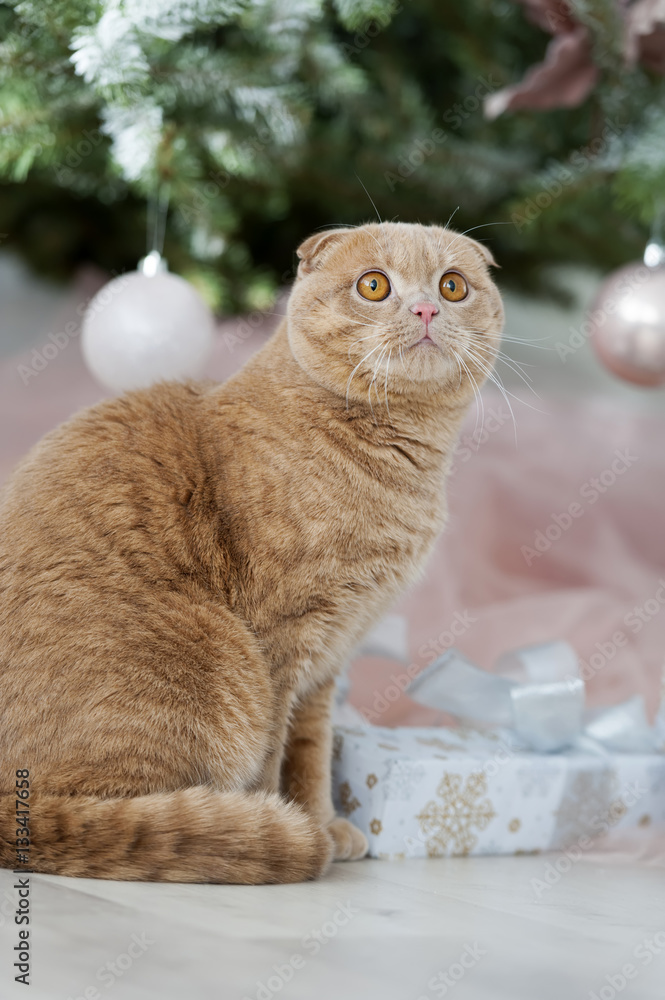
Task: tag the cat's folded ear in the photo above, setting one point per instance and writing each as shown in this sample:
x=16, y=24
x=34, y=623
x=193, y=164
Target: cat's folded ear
x=484, y=252
x=311, y=252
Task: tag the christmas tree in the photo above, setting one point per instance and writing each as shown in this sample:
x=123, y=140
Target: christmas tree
x=260, y=120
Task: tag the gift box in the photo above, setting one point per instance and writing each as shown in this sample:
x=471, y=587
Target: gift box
x=550, y=776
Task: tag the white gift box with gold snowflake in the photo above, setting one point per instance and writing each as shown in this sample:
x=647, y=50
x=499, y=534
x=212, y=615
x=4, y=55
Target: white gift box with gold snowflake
x=436, y=792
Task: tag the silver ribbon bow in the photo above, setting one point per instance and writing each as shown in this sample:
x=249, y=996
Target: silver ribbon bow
x=538, y=694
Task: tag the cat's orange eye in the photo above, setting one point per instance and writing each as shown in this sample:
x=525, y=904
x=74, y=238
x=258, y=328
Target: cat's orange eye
x=373, y=286
x=453, y=286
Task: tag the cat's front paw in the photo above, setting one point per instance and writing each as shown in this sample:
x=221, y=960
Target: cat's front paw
x=350, y=842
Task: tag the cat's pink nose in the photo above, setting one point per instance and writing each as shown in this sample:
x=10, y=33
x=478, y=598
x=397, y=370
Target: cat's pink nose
x=425, y=310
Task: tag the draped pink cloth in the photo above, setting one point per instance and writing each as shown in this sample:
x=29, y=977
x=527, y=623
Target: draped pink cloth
x=598, y=582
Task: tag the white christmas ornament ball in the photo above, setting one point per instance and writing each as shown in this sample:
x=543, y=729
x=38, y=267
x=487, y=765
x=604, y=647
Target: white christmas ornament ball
x=627, y=322
x=140, y=329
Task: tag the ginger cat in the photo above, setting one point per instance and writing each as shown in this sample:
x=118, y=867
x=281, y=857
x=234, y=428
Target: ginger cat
x=184, y=570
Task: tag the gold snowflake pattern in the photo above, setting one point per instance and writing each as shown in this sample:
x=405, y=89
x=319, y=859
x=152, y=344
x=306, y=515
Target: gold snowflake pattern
x=616, y=811
x=376, y=826
x=449, y=824
x=347, y=799
x=586, y=797
x=371, y=780
x=514, y=825
x=434, y=741
x=469, y=732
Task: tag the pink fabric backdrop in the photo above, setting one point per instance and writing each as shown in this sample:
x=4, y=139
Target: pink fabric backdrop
x=584, y=588
x=608, y=562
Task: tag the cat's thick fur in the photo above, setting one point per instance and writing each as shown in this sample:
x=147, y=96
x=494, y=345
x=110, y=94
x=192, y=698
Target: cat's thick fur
x=184, y=570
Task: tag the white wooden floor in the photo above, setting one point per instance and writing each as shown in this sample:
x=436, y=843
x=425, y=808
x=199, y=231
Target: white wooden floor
x=469, y=928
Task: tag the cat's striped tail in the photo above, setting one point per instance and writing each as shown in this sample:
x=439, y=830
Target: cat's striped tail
x=193, y=835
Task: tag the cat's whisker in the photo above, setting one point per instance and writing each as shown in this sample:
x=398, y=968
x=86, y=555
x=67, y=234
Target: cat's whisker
x=441, y=234
x=528, y=343
x=503, y=356
x=385, y=385
x=510, y=363
x=495, y=378
x=377, y=242
x=482, y=339
x=452, y=216
x=371, y=336
x=491, y=377
x=356, y=313
x=372, y=384
x=371, y=200
x=517, y=370
x=340, y=225
x=520, y=364
x=349, y=225
x=476, y=391
x=401, y=355
x=367, y=337
x=361, y=340
x=518, y=340
x=473, y=229
x=375, y=372
x=481, y=342
x=459, y=367
x=381, y=248
x=357, y=322
x=477, y=394
x=348, y=384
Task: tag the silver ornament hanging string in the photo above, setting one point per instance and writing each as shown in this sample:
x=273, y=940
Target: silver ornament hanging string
x=158, y=207
x=654, y=253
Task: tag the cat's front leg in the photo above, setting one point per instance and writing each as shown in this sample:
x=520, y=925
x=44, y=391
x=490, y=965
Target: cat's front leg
x=306, y=771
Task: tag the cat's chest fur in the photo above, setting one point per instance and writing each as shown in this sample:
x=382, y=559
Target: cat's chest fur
x=328, y=532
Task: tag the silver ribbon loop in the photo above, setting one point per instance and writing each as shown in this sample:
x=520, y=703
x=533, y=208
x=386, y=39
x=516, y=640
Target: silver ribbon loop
x=538, y=694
